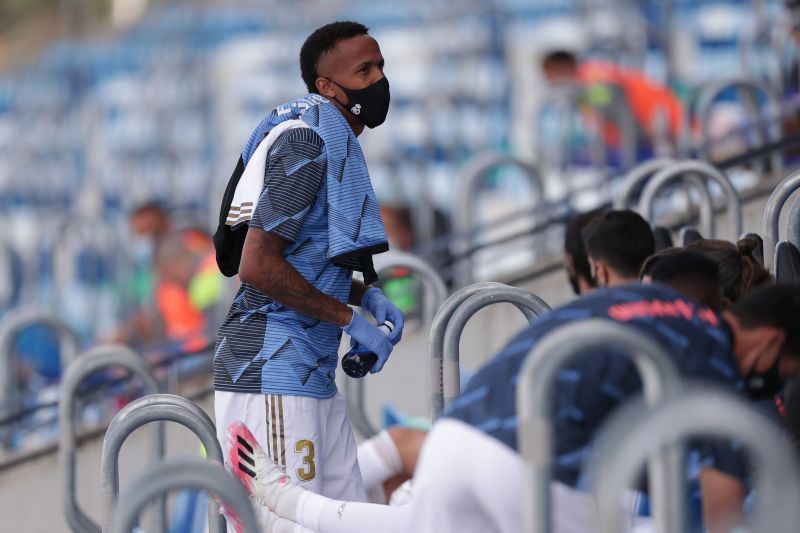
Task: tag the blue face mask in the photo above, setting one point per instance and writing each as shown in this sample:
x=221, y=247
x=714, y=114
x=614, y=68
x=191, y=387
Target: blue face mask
x=143, y=250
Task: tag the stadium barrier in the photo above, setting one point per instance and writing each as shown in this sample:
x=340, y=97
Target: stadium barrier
x=636, y=179
x=772, y=215
x=174, y=474
x=11, y=325
x=675, y=172
x=749, y=89
x=688, y=235
x=157, y=408
x=435, y=294
x=449, y=384
x=468, y=182
x=102, y=357
x=637, y=432
x=536, y=389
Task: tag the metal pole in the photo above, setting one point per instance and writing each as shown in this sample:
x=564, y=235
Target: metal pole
x=85, y=365
x=469, y=182
x=772, y=212
x=152, y=408
x=674, y=172
x=637, y=433
x=435, y=294
x=11, y=325
x=436, y=343
x=178, y=474
x=450, y=386
x=793, y=227
x=536, y=388
x=787, y=262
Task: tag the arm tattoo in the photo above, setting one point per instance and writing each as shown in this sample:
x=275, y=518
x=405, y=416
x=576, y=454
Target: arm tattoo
x=269, y=272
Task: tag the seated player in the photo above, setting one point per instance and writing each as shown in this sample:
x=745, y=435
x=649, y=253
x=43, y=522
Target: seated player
x=617, y=243
x=690, y=273
x=469, y=475
x=740, y=272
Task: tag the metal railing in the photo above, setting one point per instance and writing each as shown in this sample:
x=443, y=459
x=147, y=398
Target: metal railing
x=638, y=177
x=157, y=408
x=446, y=333
x=787, y=262
x=96, y=359
x=536, y=388
x=469, y=181
x=749, y=90
x=637, y=433
x=435, y=294
x=772, y=214
x=174, y=474
x=705, y=170
x=10, y=327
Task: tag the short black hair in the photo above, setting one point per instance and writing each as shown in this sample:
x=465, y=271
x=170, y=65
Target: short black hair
x=573, y=242
x=776, y=305
x=559, y=56
x=322, y=41
x=621, y=238
x=690, y=273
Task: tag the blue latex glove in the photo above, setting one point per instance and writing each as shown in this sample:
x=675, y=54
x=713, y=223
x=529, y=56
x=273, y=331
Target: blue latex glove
x=369, y=337
x=383, y=309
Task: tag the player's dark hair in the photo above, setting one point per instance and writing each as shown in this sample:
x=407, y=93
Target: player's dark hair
x=776, y=305
x=690, y=273
x=573, y=243
x=621, y=238
x=739, y=271
x=322, y=41
x=555, y=57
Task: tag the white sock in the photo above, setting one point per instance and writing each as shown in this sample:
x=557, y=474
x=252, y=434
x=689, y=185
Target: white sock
x=378, y=460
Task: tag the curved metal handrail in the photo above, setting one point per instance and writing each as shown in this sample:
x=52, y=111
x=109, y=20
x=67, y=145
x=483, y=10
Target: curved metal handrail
x=157, y=408
x=535, y=392
x=640, y=174
x=90, y=362
x=793, y=225
x=635, y=176
x=10, y=326
x=701, y=168
x=178, y=474
x=435, y=294
x=436, y=340
x=749, y=89
x=450, y=385
x=772, y=212
x=637, y=432
x=469, y=181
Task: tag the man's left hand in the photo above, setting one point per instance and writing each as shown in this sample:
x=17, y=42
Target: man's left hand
x=383, y=309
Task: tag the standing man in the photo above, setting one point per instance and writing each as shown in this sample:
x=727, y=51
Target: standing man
x=302, y=196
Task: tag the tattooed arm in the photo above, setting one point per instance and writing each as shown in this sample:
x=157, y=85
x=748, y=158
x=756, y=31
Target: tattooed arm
x=264, y=267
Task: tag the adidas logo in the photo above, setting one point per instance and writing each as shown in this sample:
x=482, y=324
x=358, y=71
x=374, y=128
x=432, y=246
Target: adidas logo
x=356, y=109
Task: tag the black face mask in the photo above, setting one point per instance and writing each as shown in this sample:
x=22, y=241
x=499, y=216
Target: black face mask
x=765, y=386
x=370, y=104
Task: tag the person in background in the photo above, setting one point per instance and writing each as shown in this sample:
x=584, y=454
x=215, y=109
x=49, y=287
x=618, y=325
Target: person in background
x=690, y=273
x=617, y=244
x=576, y=262
x=176, y=283
x=657, y=111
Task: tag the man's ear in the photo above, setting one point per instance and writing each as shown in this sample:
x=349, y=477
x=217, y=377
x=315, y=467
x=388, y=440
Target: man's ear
x=325, y=87
x=601, y=274
x=569, y=263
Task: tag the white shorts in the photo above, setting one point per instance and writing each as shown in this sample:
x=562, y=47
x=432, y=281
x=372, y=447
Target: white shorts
x=310, y=438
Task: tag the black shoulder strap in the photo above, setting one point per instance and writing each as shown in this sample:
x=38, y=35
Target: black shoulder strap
x=229, y=240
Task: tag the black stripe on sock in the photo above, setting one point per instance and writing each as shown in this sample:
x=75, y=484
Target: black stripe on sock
x=247, y=458
x=247, y=471
x=244, y=443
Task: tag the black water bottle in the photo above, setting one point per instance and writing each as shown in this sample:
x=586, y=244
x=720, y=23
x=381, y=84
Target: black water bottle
x=360, y=360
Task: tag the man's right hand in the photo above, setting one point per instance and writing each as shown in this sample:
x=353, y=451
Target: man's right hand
x=370, y=337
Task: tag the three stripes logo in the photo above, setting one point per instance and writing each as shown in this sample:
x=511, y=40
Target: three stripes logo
x=239, y=213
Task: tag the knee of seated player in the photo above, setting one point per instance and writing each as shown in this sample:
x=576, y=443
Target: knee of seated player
x=409, y=443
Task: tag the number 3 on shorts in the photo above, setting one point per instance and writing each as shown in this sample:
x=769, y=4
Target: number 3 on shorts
x=309, y=470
